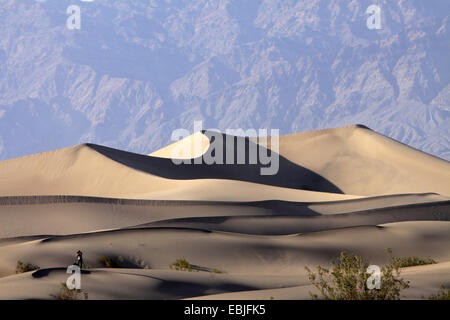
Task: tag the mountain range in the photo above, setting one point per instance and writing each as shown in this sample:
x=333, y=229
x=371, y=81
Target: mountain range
x=137, y=70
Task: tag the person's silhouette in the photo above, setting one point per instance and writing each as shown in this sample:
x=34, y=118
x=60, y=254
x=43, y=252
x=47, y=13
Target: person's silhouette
x=79, y=262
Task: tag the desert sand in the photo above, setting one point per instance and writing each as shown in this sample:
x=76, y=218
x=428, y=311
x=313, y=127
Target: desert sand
x=247, y=236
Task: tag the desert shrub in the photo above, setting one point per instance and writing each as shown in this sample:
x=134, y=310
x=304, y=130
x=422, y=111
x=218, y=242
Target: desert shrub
x=111, y=262
x=25, y=267
x=181, y=265
x=404, y=262
x=214, y=270
x=347, y=279
x=411, y=261
x=442, y=294
x=66, y=294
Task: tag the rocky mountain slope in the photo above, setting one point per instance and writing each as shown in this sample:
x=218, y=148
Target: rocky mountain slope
x=137, y=70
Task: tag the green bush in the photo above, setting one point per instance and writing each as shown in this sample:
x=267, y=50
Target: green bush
x=66, y=294
x=411, y=261
x=110, y=262
x=442, y=294
x=25, y=267
x=347, y=279
x=181, y=265
x=405, y=262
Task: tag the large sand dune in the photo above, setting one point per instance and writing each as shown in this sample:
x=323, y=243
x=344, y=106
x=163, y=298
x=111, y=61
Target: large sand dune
x=364, y=162
x=345, y=189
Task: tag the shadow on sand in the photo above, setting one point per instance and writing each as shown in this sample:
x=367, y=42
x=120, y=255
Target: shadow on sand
x=289, y=175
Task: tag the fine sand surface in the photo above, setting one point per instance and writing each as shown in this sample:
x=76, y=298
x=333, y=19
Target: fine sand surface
x=246, y=235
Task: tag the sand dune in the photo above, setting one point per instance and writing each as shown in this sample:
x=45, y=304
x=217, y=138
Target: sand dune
x=156, y=248
x=70, y=214
x=423, y=282
x=290, y=224
x=125, y=283
x=330, y=161
x=89, y=170
x=164, y=284
x=363, y=162
x=238, y=255
x=345, y=189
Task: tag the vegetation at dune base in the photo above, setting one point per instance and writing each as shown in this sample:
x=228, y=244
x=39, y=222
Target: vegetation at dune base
x=25, y=267
x=66, y=294
x=181, y=265
x=404, y=262
x=347, y=280
x=214, y=270
x=442, y=294
x=411, y=261
x=111, y=262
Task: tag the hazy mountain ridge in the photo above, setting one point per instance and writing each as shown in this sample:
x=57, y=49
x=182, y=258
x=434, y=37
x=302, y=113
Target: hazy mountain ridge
x=134, y=72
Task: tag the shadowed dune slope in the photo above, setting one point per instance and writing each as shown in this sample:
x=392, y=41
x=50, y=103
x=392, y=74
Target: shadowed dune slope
x=91, y=170
x=88, y=170
x=125, y=283
x=353, y=160
x=69, y=214
x=157, y=248
x=76, y=214
x=284, y=225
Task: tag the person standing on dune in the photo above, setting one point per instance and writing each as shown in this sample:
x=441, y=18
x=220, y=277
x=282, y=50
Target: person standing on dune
x=79, y=262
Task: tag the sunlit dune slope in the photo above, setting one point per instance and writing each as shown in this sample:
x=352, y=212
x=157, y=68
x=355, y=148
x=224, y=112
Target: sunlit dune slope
x=361, y=161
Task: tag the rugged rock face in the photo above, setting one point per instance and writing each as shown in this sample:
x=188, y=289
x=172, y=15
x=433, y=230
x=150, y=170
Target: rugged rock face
x=137, y=70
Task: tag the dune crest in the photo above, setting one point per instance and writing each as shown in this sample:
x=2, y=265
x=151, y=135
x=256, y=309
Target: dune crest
x=190, y=147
